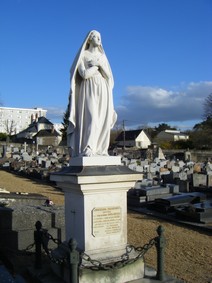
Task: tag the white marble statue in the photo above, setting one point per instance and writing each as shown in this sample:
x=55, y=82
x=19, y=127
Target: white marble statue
x=92, y=113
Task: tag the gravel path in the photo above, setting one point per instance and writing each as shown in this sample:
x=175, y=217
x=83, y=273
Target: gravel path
x=188, y=253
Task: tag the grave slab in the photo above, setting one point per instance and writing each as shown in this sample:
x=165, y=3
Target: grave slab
x=199, y=180
x=17, y=224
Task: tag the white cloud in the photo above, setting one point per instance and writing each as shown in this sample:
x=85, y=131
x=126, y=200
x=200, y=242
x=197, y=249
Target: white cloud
x=152, y=96
x=146, y=104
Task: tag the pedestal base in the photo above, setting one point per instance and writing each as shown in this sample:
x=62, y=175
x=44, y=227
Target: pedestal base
x=125, y=274
x=96, y=214
x=95, y=161
x=114, y=271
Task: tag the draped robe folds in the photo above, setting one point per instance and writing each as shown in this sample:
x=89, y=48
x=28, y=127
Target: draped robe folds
x=94, y=114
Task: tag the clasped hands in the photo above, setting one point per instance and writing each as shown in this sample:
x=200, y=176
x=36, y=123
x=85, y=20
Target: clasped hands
x=93, y=63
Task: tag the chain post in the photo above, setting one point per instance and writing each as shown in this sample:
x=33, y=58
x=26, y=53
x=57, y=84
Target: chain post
x=160, y=245
x=38, y=244
x=74, y=261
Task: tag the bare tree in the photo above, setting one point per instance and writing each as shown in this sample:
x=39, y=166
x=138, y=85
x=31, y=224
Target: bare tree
x=10, y=127
x=208, y=107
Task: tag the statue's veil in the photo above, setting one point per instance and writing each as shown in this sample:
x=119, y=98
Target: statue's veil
x=75, y=80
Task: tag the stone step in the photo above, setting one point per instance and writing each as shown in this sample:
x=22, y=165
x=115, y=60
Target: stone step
x=45, y=275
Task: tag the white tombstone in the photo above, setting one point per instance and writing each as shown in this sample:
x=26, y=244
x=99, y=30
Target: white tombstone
x=140, y=169
x=183, y=176
x=208, y=167
x=163, y=163
x=181, y=163
x=175, y=169
x=161, y=154
x=26, y=156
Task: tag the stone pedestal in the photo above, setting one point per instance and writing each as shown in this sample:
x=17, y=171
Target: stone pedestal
x=96, y=205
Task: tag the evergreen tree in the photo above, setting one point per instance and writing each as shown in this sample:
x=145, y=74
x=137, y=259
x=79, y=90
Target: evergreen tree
x=202, y=134
x=163, y=127
x=65, y=124
x=208, y=107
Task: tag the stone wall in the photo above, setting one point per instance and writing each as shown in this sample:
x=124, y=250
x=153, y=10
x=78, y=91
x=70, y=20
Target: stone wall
x=196, y=155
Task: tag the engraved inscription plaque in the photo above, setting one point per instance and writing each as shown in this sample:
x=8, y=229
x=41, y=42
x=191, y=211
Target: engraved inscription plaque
x=106, y=221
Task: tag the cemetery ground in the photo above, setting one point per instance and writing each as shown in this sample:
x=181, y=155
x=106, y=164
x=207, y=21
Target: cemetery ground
x=188, y=252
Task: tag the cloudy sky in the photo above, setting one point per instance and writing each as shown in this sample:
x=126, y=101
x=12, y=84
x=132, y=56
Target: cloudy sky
x=159, y=51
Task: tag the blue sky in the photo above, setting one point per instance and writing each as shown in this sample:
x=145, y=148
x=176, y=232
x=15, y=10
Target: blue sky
x=160, y=52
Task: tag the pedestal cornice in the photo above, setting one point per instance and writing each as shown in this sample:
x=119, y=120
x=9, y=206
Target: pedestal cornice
x=95, y=174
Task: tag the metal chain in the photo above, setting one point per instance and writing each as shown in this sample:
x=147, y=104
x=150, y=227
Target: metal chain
x=45, y=239
x=49, y=237
x=28, y=248
x=26, y=251
x=57, y=260
x=124, y=259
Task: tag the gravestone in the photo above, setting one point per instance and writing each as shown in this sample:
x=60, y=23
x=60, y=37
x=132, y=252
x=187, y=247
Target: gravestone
x=175, y=169
x=17, y=223
x=199, y=180
x=26, y=156
x=210, y=180
x=183, y=176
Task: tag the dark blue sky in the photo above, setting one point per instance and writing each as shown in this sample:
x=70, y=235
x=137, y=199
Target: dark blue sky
x=159, y=51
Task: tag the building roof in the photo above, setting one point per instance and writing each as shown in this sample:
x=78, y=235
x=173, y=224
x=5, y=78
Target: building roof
x=44, y=120
x=47, y=133
x=174, y=133
x=41, y=120
x=129, y=135
x=31, y=129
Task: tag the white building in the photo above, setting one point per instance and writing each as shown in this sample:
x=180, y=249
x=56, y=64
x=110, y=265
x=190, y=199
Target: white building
x=15, y=120
x=172, y=135
x=133, y=138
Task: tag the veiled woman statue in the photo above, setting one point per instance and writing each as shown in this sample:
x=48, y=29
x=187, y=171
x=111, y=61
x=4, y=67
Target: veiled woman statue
x=91, y=108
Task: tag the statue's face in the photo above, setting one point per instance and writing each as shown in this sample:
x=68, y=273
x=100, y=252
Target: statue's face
x=95, y=39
